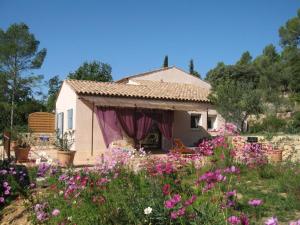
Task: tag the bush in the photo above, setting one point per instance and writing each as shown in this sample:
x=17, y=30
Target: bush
x=293, y=125
x=269, y=124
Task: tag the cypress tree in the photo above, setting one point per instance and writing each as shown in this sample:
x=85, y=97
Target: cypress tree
x=166, y=61
x=191, y=66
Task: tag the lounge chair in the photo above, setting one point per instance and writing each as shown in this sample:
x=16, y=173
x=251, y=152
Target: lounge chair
x=180, y=148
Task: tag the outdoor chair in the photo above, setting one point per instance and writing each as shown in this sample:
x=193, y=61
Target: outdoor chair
x=180, y=148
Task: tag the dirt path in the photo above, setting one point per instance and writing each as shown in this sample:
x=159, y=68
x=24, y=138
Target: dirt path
x=15, y=214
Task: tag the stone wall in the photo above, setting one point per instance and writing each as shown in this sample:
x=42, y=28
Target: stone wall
x=290, y=144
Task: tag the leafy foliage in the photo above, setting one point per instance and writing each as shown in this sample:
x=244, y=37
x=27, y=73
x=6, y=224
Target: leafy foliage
x=273, y=76
x=18, y=54
x=236, y=101
x=95, y=71
x=54, y=85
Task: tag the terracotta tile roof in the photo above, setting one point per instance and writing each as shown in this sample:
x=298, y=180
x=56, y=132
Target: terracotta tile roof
x=141, y=89
x=126, y=78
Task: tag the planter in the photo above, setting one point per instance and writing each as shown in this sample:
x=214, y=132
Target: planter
x=21, y=154
x=276, y=155
x=13, y=145
x=66, y=158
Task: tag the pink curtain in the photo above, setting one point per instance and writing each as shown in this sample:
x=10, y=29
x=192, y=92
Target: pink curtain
x=143, y=124
x=136, y=123
x=109, y=124
x=165, y=121
x=127, y=119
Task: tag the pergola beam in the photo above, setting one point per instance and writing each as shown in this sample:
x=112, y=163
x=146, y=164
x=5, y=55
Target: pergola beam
x=146, y=103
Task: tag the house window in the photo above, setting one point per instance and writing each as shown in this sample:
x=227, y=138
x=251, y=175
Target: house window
x=211, y=122
x=70, y=119
x=195, y=121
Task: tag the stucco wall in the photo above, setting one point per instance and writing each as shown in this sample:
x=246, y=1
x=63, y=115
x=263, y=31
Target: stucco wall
x=182, y=129
x=173, y=75
x=84, y=131
x=66, y=100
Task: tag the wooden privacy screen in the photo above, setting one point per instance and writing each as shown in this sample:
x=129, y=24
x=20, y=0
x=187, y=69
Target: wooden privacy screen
x=41, y=122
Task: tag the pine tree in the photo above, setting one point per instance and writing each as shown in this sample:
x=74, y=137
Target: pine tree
x=166, y=61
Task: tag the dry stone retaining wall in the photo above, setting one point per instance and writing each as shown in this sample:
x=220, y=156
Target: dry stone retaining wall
x=290, y=144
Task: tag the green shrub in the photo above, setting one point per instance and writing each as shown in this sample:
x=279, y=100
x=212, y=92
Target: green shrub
x=293, y=125
x=269, y=124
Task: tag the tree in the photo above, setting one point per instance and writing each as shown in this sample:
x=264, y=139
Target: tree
x=192, y=70
x=268, y=67
x=290, y=32
x=95, y=71
x=54, y=85
x=166, y=62
x=236, y=101
x=191, y=67
x=19, y=54
x=245, y=59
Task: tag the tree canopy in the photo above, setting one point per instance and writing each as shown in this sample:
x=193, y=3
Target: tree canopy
x=19, y=54
x=95, y=71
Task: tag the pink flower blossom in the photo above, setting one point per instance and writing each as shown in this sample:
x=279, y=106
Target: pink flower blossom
x=55, y=212
x=190, y=201
x=169, y=204
x=234, y=220
x=166, y=189
x=244, y=219
x=272, y=221
x=255, y=202
x=174, y=215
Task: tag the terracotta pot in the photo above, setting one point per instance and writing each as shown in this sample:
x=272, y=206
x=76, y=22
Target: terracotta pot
x=21, y=154
x=66, y=158
x=13, y=145
x=276, y=155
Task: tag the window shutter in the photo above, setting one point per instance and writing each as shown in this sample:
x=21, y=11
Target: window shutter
x=70, y=119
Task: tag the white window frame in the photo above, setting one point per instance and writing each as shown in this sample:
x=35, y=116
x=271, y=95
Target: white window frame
x=215, y=124
x=199, y=122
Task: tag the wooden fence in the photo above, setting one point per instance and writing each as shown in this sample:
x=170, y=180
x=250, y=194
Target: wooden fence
x=41, y=122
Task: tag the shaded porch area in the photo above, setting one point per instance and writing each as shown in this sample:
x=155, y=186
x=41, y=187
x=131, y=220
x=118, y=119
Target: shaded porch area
x=149, y=123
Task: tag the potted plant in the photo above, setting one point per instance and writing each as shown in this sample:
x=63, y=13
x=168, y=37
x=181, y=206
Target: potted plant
x=22, y=146
x=64, y=143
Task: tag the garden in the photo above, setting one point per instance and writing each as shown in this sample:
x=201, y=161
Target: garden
x=221, y=184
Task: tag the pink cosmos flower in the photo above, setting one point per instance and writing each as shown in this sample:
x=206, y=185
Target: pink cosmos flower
x=272, y=221
x=166, y=189
x=234, y=220
x=231, y=193
x=176, y=198
x=244, y=219
x=55, y=212
x=174, y=215
x=190, y=201
x=181, y=211
x=169, y=204
x=2, y=200
x=5, y=184
x=255, y=202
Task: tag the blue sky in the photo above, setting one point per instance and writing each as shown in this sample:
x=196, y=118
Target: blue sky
x=133, y=36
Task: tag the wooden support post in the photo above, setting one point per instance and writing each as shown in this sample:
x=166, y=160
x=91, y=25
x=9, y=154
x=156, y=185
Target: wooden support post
x=92, y=145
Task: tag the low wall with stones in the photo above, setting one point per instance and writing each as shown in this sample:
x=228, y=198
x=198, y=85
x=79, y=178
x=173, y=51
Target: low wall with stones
x=290, y=144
